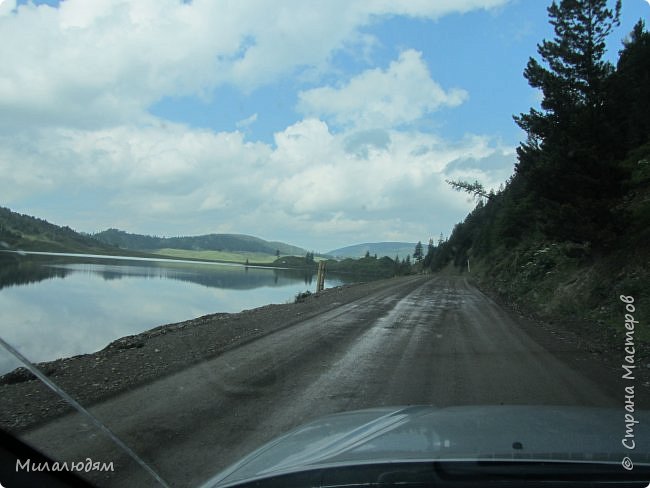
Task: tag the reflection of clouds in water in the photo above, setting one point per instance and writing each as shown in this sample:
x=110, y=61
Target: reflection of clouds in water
x=226, y=275
x=84, y=312
x=7, y=362
x=48, y=328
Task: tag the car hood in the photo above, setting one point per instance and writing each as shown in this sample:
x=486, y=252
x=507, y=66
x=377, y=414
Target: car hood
x=425, y=433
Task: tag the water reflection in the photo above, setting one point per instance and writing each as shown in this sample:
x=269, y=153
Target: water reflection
x=210, y=275
x=53, y=307
x=15, y=270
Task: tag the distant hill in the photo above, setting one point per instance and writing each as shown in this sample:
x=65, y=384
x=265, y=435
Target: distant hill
x=390, y=249
x=209, y=242
x=24, y=232
x=19, y=231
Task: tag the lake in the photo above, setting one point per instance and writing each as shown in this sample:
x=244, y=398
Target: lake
x=55, y=305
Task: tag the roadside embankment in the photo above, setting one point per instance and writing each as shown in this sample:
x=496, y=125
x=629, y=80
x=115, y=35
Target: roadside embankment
x=598, y=303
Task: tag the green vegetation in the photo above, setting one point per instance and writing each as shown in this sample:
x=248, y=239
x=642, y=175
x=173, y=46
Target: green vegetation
x=293, y=262
x=24, y=232
x=210, y=242
x=302, y=296
x=18, y=231
x=568, y=233
x=370, y=267
x=372, y=248
x=366, y=268
x=418, y=253
x=227, y=256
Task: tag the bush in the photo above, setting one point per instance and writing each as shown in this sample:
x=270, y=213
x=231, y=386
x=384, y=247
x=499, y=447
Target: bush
x=302, y=296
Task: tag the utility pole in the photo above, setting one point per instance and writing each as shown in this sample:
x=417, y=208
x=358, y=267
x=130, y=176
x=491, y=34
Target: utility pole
x=468, y=270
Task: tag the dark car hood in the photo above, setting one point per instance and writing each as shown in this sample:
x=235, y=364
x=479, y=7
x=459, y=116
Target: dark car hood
x=424, y=433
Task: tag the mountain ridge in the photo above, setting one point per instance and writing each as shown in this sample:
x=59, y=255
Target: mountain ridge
x=384, y=248
x=204, y=242
x=29, y=233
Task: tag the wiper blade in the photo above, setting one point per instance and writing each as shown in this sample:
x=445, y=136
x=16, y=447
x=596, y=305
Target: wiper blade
x=81, y=409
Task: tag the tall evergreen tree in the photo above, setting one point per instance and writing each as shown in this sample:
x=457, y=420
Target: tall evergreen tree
x=418, y=253
x=573, y=83
x=428, y=258
x=564, y=161
x=629, y=92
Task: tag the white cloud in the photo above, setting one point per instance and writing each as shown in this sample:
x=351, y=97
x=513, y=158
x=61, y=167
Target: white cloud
x=100, y=63
x=76, y=84
x=105, y=62
x=170, y=178
x=401, y=94
x=6, y=6
x=247, y=122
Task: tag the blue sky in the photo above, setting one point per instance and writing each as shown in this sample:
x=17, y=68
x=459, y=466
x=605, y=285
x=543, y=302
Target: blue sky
x=322, y=124
x=460, y=50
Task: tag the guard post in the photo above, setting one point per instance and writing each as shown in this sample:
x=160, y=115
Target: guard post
x=320, y=279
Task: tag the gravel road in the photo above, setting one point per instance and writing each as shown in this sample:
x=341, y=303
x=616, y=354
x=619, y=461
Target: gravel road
x=418, y=340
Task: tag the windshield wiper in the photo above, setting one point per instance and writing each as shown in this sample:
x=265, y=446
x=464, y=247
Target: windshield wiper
x=79, y=408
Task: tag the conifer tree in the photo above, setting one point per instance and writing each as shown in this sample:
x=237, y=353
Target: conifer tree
x=418, y=253
x=564, y=160
x=629, y=92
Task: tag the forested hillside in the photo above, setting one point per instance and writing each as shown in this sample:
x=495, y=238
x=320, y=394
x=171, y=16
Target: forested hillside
x=569, y=232
x=210, y=242
x=18, y=231
x=24, y=232
x=379, y=248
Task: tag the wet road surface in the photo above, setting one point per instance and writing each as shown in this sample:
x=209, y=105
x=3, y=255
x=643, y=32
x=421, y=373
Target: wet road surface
x=436, y=341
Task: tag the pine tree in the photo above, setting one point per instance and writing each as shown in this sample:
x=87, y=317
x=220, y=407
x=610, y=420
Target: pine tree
x=418, y=253
x=564, y=160
x=429, y=256
x=574, y=82
x=629, y=92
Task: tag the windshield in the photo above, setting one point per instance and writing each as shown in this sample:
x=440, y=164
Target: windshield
x=221, y=221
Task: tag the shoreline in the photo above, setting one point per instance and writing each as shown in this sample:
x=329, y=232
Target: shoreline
x=148, y=257
x=133, y=361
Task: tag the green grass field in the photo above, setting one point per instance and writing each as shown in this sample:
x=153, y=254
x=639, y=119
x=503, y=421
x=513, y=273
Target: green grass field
x=227, y=256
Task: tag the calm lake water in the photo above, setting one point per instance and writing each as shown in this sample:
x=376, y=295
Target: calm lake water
x=57, y=306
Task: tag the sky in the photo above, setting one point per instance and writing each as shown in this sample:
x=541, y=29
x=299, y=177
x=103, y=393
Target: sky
x=318, y=123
